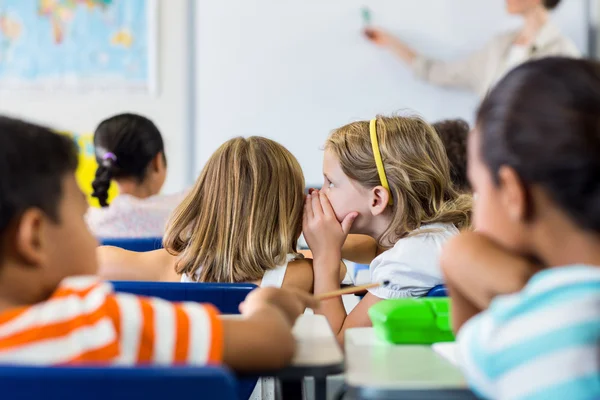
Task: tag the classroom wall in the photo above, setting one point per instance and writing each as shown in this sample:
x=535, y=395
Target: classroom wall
x=223, y=96
x=293, y=70
x=81, y=112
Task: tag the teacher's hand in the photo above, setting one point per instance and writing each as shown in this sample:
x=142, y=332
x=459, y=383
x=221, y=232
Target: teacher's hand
x=380, y=37
x=395, y=45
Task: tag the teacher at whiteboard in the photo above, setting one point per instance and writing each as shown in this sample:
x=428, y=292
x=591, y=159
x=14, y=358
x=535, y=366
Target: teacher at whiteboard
x=538, y=37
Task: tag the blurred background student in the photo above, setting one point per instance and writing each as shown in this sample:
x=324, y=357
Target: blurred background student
x=454, y=134
x=130, y=151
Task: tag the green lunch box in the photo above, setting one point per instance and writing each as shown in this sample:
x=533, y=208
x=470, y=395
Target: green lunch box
x=413, y=321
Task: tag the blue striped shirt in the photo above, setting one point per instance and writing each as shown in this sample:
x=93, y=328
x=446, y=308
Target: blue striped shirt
x=540, y=343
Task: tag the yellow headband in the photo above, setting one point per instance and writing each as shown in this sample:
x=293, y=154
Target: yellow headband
x=378, y=160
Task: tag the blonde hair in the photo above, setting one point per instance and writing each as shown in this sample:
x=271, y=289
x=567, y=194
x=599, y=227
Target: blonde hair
x=416, y=166
x=243, y=216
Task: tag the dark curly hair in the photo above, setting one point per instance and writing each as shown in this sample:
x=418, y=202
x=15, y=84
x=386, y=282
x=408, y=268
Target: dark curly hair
x=454, y=133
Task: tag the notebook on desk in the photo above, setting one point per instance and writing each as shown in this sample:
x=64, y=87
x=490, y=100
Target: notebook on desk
x=447, y=350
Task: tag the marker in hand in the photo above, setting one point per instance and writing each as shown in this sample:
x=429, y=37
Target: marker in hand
x=366, y=16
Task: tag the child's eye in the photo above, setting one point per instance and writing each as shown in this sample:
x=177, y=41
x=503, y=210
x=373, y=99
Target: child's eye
x=330, y=185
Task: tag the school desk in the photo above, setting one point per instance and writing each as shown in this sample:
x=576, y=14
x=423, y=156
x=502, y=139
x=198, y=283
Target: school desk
x=318, y=355
x=377, y=370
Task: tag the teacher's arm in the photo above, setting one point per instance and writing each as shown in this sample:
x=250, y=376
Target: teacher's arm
x=466, y=73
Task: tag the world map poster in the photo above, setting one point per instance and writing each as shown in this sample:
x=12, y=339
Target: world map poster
x=78, y=44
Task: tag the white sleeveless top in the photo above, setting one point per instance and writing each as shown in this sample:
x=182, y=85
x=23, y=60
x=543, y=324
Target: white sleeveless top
x=265, y=387
x=272, y=277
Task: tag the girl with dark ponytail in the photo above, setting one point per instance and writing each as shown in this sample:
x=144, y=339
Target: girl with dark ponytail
x=130, y=151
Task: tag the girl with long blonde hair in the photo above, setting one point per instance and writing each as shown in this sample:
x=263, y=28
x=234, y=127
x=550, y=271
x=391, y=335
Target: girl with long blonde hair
x=387, y=178
x=239, y=223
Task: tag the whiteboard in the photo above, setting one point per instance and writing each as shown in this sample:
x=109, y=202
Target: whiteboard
x=294, y=70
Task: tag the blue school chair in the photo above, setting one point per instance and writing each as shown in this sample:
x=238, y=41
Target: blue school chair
x=225, y=296
x=133, y=244
x=116, y=383
x=438, y=291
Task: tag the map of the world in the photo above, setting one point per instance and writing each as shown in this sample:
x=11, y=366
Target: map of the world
x=77, y=44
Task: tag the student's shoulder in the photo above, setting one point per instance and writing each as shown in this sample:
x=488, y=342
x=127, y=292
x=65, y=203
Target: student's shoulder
x=410, y=245
x=118, y=264
x=81, y=284
x=299, y=275
x=79, y=289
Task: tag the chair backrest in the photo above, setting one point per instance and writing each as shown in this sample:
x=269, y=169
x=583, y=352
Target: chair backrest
x=116, y=383
x=225, y=296
x=438, y=291
x=133, y=244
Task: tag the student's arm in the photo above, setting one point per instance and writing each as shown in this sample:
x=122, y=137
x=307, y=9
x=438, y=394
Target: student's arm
x=462, y=308
x=160, y=332
x=480, y=269
x=326, y=236
x=335, y=311
x=118, y=264
x=361, y=249
x=263, y=340
x=299, y=274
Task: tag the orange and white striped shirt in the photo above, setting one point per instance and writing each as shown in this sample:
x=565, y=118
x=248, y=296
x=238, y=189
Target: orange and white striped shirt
x=85, y=321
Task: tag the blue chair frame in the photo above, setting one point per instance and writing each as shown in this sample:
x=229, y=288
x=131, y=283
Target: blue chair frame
x=438, y=291
x=116, y=383
x=134, y=244
x=225, y=296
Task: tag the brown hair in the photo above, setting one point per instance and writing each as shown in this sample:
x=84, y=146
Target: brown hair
x=243, y=216
x=416, y=167
x=454, y=134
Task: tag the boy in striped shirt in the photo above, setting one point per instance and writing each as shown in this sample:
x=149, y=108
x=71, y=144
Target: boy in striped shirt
x=47, y=318
x=525, y=286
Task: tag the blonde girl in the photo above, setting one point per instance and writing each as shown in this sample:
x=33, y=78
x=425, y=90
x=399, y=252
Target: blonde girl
x=389, y=179
x=239, y=223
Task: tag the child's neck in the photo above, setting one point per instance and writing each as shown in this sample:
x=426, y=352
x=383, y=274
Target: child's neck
x=378, y=227
x=559, y=242
x=534, y=21
x=135, y=189
x=18, y=287
x=574, y=248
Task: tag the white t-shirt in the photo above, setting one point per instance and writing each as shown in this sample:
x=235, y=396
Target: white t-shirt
x=128, y=216
x=412, y=265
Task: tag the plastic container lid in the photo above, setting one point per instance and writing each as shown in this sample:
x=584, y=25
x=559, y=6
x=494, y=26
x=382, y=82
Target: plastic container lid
x=413, y=320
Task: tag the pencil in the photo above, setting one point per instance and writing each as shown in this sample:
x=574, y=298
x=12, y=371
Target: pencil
x=350, y=290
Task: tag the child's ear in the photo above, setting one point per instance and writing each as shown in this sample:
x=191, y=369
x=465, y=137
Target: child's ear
x=380, y=198
x=158, y=162
x=30, y=242
x=513, y=194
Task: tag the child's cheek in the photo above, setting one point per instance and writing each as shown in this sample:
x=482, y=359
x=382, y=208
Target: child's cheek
x=337, y=206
